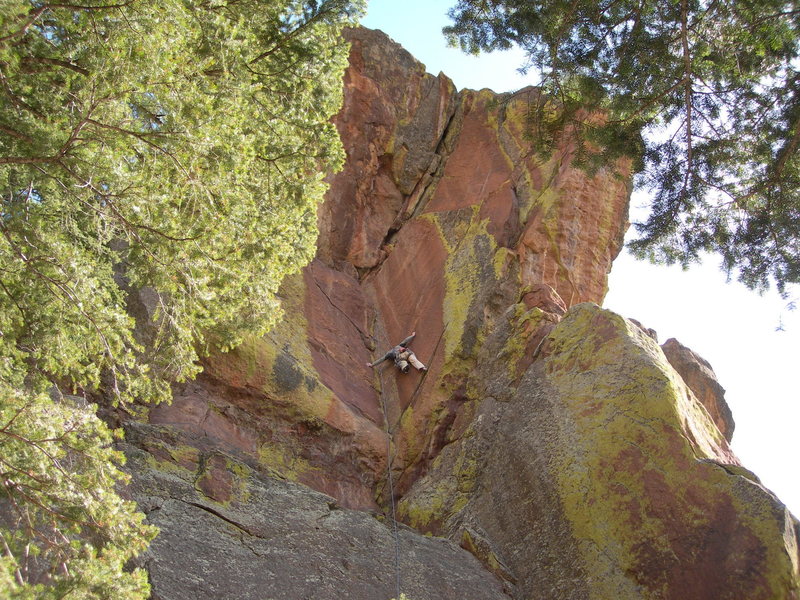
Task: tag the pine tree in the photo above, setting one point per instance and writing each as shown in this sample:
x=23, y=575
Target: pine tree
x=171, y=149
x=705, y=95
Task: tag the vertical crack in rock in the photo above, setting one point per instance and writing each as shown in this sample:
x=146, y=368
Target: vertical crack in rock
x=362, y=333
x=415, y=202
x=426, y=185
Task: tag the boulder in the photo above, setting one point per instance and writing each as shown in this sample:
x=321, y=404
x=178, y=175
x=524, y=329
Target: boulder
x=602, y=476
x=227, y=531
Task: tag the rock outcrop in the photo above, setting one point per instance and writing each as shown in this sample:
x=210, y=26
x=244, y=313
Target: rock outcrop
x=700, y=378
x=551, y=449
x=605, y=476
x=227, y=531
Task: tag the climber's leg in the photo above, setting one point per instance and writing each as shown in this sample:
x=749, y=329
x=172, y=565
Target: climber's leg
x=412, y=358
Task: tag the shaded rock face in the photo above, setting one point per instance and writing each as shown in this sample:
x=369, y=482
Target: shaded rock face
x=551, y=445
x=229, y=532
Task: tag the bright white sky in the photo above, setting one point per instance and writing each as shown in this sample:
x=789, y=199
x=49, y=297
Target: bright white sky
x=728, y=325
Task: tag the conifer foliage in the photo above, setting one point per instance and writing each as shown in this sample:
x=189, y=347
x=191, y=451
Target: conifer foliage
x=713, y=86
x=172, y=146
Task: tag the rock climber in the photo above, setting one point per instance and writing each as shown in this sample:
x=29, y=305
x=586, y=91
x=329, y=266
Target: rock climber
x=402, y=356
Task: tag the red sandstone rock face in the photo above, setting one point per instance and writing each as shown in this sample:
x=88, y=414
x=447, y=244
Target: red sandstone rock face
x=391, y=124
x=565, y=226
x=440, y=221
x=437, y=223
x=444, y=223
x=700, y=378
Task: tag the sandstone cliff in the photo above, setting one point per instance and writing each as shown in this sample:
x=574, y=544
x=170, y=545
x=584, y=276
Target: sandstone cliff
x=552, y=450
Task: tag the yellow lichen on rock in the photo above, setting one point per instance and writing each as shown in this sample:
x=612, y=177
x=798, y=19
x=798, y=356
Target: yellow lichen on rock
x=279, y=364
x=470, y=249
x=457, y=470
x=283, y=462
x=525, y=321
x=637, y=469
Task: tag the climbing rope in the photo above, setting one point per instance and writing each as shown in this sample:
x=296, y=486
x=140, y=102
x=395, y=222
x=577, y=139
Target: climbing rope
x=390, y=481
x=424, y=375
x=390, y=458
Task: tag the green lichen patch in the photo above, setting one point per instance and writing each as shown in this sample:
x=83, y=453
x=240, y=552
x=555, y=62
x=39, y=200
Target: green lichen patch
x=223, y=480
x=480, y=548
x=469, y=275
x=447, y=490
x=524, y=322
x=175, y=458
x=427, y=512
x=632, y=469
x=283, y=462
x=279, y=364
x=185, y=456
x=505, y=262
x=408, y=432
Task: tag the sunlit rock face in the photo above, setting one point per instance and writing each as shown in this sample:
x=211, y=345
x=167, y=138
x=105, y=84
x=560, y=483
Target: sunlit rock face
x=551, y=448
x=600, y=475
x=700, y=378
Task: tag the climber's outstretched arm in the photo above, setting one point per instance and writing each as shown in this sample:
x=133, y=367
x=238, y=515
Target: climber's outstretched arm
x=387, y=356
x=407, y=341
